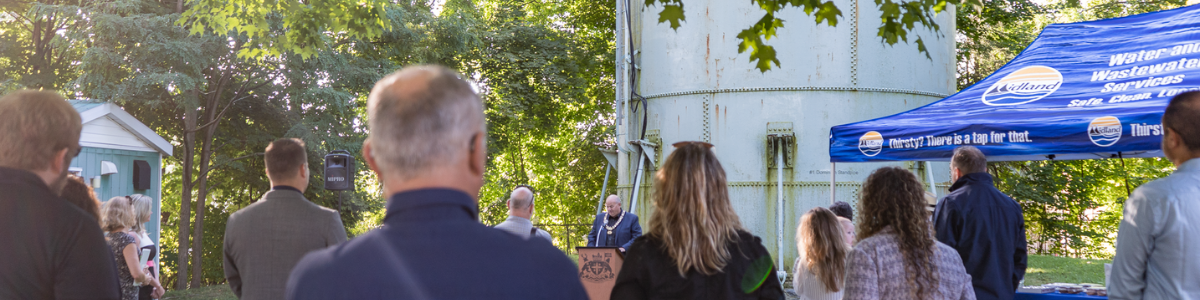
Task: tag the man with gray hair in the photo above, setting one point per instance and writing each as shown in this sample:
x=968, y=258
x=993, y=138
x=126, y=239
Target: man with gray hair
x=520, y=211
x=984, y=225
x=51, y=248
x=426, y=145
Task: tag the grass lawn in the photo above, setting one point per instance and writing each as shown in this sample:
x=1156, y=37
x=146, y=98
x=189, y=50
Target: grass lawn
x=206, y=293
x=1051, y=269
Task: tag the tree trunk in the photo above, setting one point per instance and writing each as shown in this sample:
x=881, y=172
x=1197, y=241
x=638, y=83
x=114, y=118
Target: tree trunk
x=212, y=106
x=198, y=235
x=185, y=208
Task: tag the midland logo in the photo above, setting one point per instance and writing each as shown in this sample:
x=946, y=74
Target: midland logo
x=870, y=143
x=1023, y=86
x=1105, y=131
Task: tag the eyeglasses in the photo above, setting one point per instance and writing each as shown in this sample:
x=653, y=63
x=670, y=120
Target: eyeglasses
x=706, y=145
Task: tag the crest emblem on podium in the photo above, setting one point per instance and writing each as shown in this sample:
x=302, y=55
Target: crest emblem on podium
x=597, y=268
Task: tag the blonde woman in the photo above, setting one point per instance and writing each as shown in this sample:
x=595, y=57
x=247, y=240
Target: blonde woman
x=821, y=268
x=143, y=209
x=117, y=217
x=695, y=247
x=896, y=256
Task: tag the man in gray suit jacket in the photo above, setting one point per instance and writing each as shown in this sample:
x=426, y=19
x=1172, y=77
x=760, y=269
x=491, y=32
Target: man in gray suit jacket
x=264, y=241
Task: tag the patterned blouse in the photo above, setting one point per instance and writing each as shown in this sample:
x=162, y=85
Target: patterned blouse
x=876, y=270
x=117, y=242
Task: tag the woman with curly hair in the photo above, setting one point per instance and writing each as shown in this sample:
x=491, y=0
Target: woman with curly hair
x=695, y=247
x=896, y=253
x=821, y=267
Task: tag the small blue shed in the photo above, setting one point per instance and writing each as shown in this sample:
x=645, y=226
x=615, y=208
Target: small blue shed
x=120, y=156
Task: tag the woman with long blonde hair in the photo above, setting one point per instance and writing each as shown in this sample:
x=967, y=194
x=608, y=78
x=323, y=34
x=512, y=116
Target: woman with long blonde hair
x=896, y=256
x=821, y=267
x=695, y=247
x=116, y=218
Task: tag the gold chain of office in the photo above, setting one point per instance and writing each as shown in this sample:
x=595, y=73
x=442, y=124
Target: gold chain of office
x=614, y=226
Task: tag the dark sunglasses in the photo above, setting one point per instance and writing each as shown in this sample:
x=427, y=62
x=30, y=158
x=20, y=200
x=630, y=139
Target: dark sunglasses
x=706, y=145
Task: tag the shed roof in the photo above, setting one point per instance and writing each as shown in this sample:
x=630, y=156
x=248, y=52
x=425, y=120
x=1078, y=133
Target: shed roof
x=91, y=110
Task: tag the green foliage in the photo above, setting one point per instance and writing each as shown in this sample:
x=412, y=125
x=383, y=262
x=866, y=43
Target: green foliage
x=1072, y=208
x=899, y=18
x=994, y=35
x=34, y=53
x=547, y=87
x=306, y=25
x=159, y=72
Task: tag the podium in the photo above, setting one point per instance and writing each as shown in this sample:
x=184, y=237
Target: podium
x=598, y=269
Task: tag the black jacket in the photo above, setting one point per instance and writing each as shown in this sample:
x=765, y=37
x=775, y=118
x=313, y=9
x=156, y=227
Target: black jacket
x=51, y=249
x=987, y=229
x=650, y=273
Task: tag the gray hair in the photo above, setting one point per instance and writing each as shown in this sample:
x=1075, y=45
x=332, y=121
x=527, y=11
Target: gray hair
x=421, y=117
x=969, y=159
x=519, y=200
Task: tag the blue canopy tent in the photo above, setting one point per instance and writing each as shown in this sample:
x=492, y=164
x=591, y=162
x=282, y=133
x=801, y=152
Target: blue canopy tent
x=1080, y=91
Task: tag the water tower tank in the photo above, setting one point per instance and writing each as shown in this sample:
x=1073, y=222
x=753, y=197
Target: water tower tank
x=699, y=88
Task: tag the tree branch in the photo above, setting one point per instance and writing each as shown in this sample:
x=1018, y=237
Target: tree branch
x=222, y=164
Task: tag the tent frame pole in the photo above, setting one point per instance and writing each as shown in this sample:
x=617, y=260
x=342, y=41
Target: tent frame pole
x=1124, y=175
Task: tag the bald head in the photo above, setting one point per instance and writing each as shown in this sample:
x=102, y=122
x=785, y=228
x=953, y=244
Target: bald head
x=422, y=118
x=521, y=198
x=613, y=205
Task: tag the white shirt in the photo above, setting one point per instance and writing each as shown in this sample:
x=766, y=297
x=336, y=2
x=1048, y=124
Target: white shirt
x=1158, y=241
x=521, y=226
x=809, y=287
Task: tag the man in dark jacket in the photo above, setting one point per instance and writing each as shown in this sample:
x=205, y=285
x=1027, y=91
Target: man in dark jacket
x=51, y=249
x=614, y=227
x=426, y=145
x=984, y=225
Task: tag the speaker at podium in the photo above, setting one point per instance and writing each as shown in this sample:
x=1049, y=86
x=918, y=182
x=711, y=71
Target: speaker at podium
x=598, y=269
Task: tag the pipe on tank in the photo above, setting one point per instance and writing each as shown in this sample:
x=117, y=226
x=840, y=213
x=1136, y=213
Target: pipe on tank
x=832, y=183
x=779, y=207
x=929, y=177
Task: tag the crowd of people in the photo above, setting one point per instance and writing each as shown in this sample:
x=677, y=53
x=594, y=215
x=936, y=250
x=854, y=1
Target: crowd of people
x=427, y=145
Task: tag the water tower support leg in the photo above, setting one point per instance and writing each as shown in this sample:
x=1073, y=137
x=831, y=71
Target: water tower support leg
x=607, y=167
x=637, y=181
